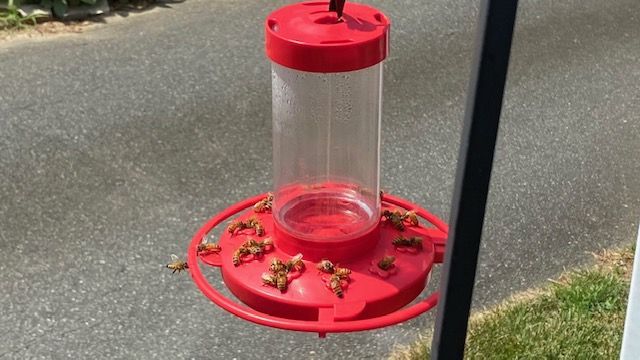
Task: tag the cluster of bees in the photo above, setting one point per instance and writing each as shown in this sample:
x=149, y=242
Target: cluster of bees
x=339, y=276
x=398, y=218
x=251, y=223
x=278, y=275
x=251, y=247
x=281, y=272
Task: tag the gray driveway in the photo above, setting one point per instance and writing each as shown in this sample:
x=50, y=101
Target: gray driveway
x=117, y=144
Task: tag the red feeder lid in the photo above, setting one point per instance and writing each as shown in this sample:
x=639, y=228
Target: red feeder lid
x=307, y=36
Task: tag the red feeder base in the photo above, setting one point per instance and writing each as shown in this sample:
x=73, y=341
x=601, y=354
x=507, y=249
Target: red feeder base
x=372, y=298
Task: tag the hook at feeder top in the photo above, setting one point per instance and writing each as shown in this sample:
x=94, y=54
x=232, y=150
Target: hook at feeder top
x=337, y=6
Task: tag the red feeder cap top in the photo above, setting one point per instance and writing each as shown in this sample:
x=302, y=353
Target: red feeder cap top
x=307, y=36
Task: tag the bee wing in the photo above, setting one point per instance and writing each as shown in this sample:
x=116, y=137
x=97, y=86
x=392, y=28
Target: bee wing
x=205, y=239
x=174, y=257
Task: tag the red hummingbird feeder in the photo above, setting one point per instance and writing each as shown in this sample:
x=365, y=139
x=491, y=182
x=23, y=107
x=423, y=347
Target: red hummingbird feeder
x=326, y=251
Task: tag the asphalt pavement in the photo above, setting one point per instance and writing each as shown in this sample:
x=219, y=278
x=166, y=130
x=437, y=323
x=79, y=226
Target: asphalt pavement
x=118, y=143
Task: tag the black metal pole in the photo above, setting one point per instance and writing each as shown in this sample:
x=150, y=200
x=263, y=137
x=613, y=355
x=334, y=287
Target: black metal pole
x=484, y=102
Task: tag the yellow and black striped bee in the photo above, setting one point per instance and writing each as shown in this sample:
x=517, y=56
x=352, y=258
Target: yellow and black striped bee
x=236, y=225
x=256, y=225
x=269, y=279
x=295, y=263
x=176, y=264
x=256, y=251
x=264, y=205
x=411, y=217
x=401, y=241
x=238, y=254
x=268, y=241
x=395, y=218
x=206, y=247
x=336, y=285
x=281, y=280
x=276, y=265
x=386, y=262
x=250, y=242
x=342, y=273
x=326, y=266
x=414, y=242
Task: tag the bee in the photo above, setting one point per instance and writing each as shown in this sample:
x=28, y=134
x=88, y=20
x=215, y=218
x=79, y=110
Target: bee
x=206, y=247
x=176, y=264
x=414, y=242
x=236, y=225
x=264, y=205
x=336, y=285
x=386, y=262
x=295, y=263
x=411, y=217
x=342, y=273
x=269, y=279
x=266, y=242
x=256, y=251
x=250, y=243
x=276, y=265
x=255, y=224
x=326, y=266
x=381, y=195
x=395, y=218
x=238, y=254
x=281, y=280
x=401, y=241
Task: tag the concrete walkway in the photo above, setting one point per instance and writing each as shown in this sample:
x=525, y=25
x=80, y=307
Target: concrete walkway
x=117, y=144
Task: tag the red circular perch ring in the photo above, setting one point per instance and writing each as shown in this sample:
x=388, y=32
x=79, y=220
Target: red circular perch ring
x=324, y=324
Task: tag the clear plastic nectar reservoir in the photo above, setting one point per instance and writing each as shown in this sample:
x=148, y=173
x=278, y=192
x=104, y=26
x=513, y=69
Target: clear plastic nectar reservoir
x=326, y=151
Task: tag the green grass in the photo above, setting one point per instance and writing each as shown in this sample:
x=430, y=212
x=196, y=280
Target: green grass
x=580, y=316
x=10, y=19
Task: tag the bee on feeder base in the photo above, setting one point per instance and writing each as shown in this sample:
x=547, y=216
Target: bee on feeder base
x=411, y=217
x=238, y=254
x=266, y=243
x=342, y=273
x=256, y=251
x=236, y=225
x=176, y=264
x=281, y=280
x=395, y=218
x=255, y=224
x=276, y=266
x=401, y=241
x=269, y=279
x=386, y=262
x=295, y=263
x=336, y=285
x=416, y=242
x=326, y=266
x=250, y=243
x=259, y=229
x=264, y=205
x=206, y=247
x=412, y=242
